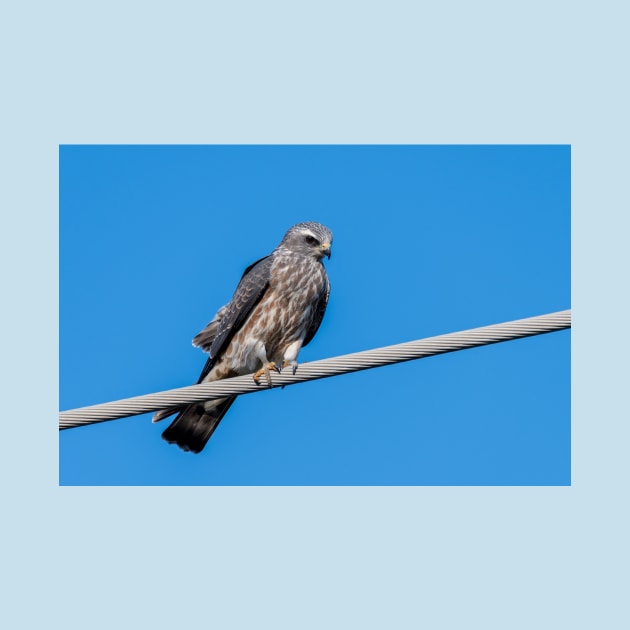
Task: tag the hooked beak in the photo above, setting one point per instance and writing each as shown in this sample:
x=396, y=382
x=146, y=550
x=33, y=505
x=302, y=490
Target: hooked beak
x=325, y=249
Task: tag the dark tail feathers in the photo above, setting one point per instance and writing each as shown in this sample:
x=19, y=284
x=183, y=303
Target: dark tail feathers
x=193, y=427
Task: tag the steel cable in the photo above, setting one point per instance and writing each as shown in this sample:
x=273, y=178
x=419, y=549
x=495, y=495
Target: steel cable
x=324, y=368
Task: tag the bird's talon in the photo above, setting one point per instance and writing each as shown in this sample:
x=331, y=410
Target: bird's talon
x=266, y=372
x=293, y=364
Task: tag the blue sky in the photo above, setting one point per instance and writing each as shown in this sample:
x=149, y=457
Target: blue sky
x=428, y=240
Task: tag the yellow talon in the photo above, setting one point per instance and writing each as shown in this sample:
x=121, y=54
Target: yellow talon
x=266, y=371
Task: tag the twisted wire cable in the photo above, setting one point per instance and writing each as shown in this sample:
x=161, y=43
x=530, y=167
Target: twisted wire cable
x=324, y=368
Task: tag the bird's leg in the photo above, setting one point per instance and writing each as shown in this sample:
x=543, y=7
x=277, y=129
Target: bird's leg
x=290, y=355
x=266, y=371
x=267, y=365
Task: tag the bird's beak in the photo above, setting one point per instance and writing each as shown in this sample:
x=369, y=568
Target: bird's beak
x=325, y=248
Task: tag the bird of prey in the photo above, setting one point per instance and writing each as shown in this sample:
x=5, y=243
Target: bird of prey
x=276, y=309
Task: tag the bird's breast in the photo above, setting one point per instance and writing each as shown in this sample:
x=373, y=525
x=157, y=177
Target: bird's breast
x=284, y=314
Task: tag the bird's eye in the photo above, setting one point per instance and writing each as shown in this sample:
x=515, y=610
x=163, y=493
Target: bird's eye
x=311, y=240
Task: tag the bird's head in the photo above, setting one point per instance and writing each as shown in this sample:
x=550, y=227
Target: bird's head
x=309, y=239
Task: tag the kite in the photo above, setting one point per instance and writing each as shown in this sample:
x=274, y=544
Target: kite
x=275, y=311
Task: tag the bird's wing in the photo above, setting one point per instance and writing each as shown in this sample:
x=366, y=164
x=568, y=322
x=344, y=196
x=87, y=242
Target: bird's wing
x=215, y=337
x=205, y=338
x=320, y=309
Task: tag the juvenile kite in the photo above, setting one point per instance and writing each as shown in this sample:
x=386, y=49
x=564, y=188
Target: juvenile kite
x=276, y=310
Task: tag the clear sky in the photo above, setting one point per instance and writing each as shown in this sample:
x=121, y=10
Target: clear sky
x=428, y=240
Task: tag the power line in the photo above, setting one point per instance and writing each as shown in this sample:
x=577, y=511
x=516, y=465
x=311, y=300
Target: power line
x=334, y=366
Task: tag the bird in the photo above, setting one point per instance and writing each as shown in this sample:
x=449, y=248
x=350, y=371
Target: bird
x=275, y=311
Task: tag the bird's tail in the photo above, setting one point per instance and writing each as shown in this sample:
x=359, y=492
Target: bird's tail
x=195, y=424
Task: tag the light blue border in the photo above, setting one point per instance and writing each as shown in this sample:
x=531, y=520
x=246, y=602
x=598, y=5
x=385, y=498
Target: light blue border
x=317, y=557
